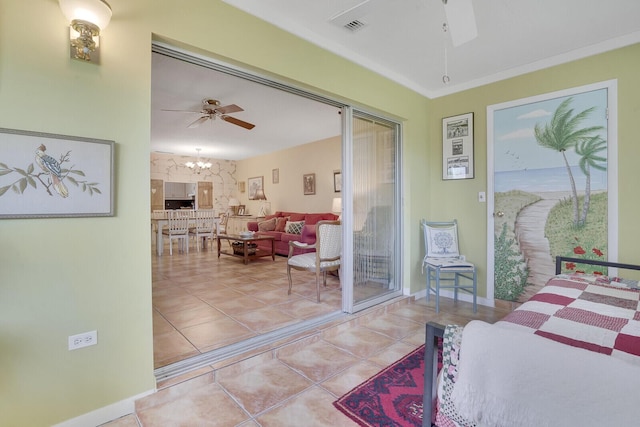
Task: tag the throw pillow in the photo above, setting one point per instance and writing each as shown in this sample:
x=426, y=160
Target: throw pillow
x=268, y=225
x=294, y=227
x=281, y=223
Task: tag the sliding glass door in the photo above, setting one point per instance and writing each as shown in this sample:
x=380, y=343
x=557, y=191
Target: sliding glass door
x=372, y=209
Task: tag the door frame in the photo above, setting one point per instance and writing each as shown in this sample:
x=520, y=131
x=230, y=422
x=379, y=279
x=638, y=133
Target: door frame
x=213, y=356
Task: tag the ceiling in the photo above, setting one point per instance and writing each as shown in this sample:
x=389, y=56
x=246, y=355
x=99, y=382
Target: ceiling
x=402, y=40
x=281, y=119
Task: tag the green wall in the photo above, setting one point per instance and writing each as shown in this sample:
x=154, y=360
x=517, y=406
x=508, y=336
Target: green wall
x=458, y=199
x=60, y=277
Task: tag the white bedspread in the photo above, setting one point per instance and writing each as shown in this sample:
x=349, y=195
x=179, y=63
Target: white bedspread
x=510, y=378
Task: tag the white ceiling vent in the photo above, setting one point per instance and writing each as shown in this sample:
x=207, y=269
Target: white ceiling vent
x=355, y=25
x=351, y=18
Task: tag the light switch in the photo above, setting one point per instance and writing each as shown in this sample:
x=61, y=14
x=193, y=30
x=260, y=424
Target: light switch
x=482, y=197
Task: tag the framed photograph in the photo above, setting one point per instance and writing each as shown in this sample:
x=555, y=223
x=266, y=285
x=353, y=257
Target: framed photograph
x=309, y=183
x=457, y=147
x=254, y=185
x=241, y=210
x=48, y=176
x=241, y=187
x=275, y=176
x=337, y=182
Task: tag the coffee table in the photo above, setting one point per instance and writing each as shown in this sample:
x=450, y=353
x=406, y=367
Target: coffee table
x=246, y=253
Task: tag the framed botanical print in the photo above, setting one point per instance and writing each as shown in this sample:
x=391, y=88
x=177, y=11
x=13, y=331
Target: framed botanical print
x=46, y=176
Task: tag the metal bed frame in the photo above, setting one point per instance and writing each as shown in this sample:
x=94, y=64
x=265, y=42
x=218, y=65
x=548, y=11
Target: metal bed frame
x=436, y=330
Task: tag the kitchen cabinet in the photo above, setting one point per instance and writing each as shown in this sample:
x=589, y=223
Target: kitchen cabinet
x=178, y=190
x=157, y=195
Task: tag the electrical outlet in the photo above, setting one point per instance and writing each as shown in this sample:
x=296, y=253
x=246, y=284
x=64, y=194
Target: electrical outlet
x=83, y=340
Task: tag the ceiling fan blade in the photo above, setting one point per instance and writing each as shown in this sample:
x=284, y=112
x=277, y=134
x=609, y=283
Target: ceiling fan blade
x=238, y=122
x=183, y=111
x=233, y=108
x=198, y=122
x=461, y=20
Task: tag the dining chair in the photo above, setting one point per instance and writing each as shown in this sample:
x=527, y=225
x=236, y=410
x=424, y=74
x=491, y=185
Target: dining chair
x=444, y=264
x=327, y=255
x=178, y=229
x=204, y=227
x=222, y=225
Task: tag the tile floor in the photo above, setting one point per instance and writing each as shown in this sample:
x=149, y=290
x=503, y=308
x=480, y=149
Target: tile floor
x=292, y=383
x=201, y=303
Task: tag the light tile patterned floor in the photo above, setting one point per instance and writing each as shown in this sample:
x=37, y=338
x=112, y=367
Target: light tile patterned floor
x=293, y=384
x=202, y=302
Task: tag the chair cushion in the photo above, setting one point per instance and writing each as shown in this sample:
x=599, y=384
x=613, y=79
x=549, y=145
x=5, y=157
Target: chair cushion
x=268, y=225
x=442, y=242
x=307, y=260
x=294, y=227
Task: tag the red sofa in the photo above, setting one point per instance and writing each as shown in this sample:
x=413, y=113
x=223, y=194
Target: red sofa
x=282, y=239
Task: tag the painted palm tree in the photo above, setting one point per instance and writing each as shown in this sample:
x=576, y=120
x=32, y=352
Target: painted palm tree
x=562, y=134
x=589, y=150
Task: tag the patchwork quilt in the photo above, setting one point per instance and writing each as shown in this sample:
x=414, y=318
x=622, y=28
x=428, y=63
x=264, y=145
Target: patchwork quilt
x=596, y=313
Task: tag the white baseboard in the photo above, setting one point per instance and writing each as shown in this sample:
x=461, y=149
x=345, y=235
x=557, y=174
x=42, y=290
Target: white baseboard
x=106, y=413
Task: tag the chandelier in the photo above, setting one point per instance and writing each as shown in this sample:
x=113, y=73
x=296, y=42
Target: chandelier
x=199, y=165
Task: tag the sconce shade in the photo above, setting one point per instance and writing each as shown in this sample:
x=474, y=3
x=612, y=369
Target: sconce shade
x=97, y=12
x=336, y=206
x=260, y=195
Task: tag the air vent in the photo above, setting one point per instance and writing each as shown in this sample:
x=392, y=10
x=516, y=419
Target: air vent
x=351, y=18
x=355, y=25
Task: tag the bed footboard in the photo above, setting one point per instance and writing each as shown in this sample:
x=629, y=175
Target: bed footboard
x=560, y=260
x=434, y=331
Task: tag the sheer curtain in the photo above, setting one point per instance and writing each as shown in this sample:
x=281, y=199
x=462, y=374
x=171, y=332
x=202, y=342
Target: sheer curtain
x=374, y=208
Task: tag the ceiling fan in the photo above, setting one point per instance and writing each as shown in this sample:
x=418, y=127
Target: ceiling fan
x=211, y=110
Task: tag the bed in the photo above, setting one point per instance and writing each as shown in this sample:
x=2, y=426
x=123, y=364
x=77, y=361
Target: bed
x=568, y=356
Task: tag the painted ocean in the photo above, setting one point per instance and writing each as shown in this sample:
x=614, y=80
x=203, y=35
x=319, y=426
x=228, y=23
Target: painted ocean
x=548, y=179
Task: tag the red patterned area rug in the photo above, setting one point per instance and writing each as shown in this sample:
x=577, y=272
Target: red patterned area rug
x=392, y=397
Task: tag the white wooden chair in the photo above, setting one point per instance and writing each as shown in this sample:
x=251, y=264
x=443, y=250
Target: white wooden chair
x=205, y=223
x=443, y=262
x=178, y=229
x=328, y=251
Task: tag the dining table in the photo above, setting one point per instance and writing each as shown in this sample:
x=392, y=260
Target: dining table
x=160, y=220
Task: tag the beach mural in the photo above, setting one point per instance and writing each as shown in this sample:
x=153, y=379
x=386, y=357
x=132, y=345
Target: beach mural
x=550, y=189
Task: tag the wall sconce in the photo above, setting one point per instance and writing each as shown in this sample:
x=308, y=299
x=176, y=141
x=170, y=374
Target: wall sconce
x=87, y=18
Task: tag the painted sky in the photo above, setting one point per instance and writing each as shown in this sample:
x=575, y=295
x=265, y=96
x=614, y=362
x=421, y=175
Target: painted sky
x=515, y=145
